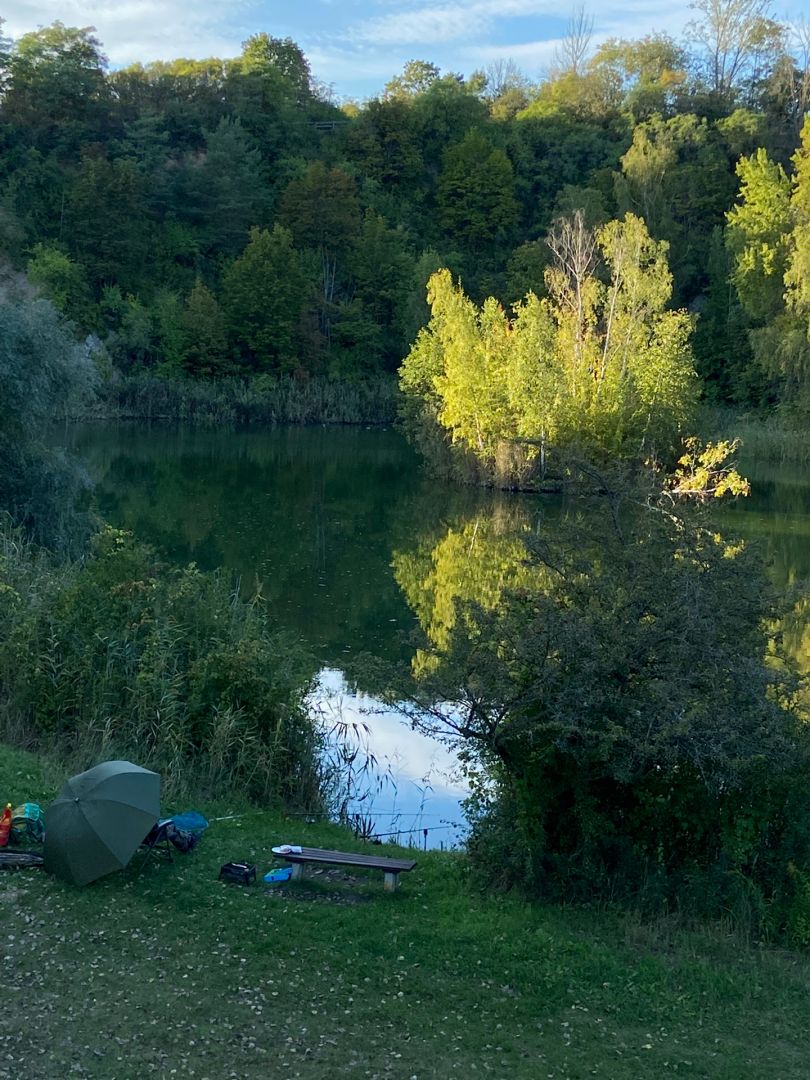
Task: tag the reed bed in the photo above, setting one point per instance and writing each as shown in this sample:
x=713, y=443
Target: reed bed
x=262, y=400
x=117, y=655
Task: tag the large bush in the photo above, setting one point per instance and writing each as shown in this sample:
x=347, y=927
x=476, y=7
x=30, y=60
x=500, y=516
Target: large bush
x=119, y=654
x=628, y=721
x=43, y=372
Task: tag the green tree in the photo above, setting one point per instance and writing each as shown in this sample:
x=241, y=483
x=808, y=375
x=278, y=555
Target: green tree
x=676, y=176
x=205, y=352
x=62, y=281
x=441, y=113
x=56, y=89
x=551, y=153
x=476, y=193
x=109, y=231
x=417, y=77
x=229, y=189
x=768, y=235
x=262, y=53
x=601, y=366
x=263, y=296
x=797, y=276
x=36, y=195
x=757, y=235
x=321, y=209
x=168, y=312
x=722, y=346
x=379, y=269
x=644, y=77
x=384, y=143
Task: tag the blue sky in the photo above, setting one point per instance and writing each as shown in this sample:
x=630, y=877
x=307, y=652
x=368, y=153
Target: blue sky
x=354, y=45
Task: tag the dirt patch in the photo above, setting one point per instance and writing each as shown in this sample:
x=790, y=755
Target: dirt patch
x=321, y=882
x=318, y=896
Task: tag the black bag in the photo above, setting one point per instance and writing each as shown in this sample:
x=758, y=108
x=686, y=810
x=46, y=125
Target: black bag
x=240, y=872
x=182, y=839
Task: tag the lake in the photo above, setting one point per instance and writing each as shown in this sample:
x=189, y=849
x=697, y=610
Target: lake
x=345, y=537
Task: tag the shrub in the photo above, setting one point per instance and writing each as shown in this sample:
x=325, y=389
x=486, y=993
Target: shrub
x=618, y=688
x=118, y=654
x=43, y=373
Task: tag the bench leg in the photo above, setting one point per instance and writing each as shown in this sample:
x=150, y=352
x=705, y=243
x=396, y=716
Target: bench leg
x=390, y=881
x=298, y=871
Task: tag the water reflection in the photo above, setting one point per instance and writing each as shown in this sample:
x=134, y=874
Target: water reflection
x=353, y=548
x=776, y=518
x=414, y=795
x=309, y=515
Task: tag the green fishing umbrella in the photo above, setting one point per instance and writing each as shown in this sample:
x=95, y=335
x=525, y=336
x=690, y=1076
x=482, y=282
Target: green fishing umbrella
x=97, y=823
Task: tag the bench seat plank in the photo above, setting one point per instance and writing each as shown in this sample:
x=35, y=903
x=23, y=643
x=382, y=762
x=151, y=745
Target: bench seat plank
x=345, y=858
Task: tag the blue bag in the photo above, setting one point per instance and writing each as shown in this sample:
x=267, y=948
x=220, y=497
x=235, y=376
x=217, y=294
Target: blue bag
x=185, y=830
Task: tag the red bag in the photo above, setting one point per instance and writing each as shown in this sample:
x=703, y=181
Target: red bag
x=5, y=825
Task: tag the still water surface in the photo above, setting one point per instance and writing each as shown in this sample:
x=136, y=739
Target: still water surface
x=313, y=517
x=337, y=526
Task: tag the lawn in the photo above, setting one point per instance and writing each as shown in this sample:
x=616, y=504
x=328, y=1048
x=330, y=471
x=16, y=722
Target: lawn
x=170, y=973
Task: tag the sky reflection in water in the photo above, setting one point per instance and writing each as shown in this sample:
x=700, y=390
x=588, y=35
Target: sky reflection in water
x=418, y=781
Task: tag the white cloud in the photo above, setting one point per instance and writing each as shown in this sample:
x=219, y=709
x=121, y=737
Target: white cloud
x=528, y=55
x=440, y=24
x=423, y=25
x=144, y=30
x=430, y=23
x=349, y=65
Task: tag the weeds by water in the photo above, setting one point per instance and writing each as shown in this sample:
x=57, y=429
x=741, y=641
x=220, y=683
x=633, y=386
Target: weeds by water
x=261, y=400
x=780, y=439
x=118, y=655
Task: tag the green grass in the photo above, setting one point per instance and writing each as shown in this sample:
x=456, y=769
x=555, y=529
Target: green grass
x=170, y=973
x=775, y=438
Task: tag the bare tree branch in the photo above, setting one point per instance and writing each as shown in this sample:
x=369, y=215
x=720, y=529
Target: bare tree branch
x=570, y=54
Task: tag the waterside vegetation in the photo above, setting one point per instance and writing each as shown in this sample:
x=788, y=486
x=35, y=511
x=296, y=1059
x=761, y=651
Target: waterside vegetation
x=118, y=654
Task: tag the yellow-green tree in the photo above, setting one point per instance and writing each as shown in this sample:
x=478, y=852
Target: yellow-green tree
x=768, y=235
x=600, y=364
x=757, y=234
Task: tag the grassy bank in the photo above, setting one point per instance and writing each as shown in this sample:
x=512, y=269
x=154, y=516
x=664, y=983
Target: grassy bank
x=261, y=400
x=771, y=438
x=169, y=973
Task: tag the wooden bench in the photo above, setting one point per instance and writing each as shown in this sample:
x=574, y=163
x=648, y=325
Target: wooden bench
x=392, y=868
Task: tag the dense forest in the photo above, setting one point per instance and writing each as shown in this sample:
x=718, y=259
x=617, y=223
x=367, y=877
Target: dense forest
x=219, y=217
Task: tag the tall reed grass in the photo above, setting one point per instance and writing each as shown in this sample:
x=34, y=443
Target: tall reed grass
x=118, y=655
x=260, y=400
x=779, y=437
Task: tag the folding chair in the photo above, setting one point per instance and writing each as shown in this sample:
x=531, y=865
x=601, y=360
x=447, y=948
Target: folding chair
x=156, y=843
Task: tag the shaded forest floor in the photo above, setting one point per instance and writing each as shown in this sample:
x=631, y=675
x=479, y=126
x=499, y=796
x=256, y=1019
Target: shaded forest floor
x=168, y=972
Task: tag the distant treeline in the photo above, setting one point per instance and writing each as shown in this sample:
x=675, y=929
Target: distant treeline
x=226, y=217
